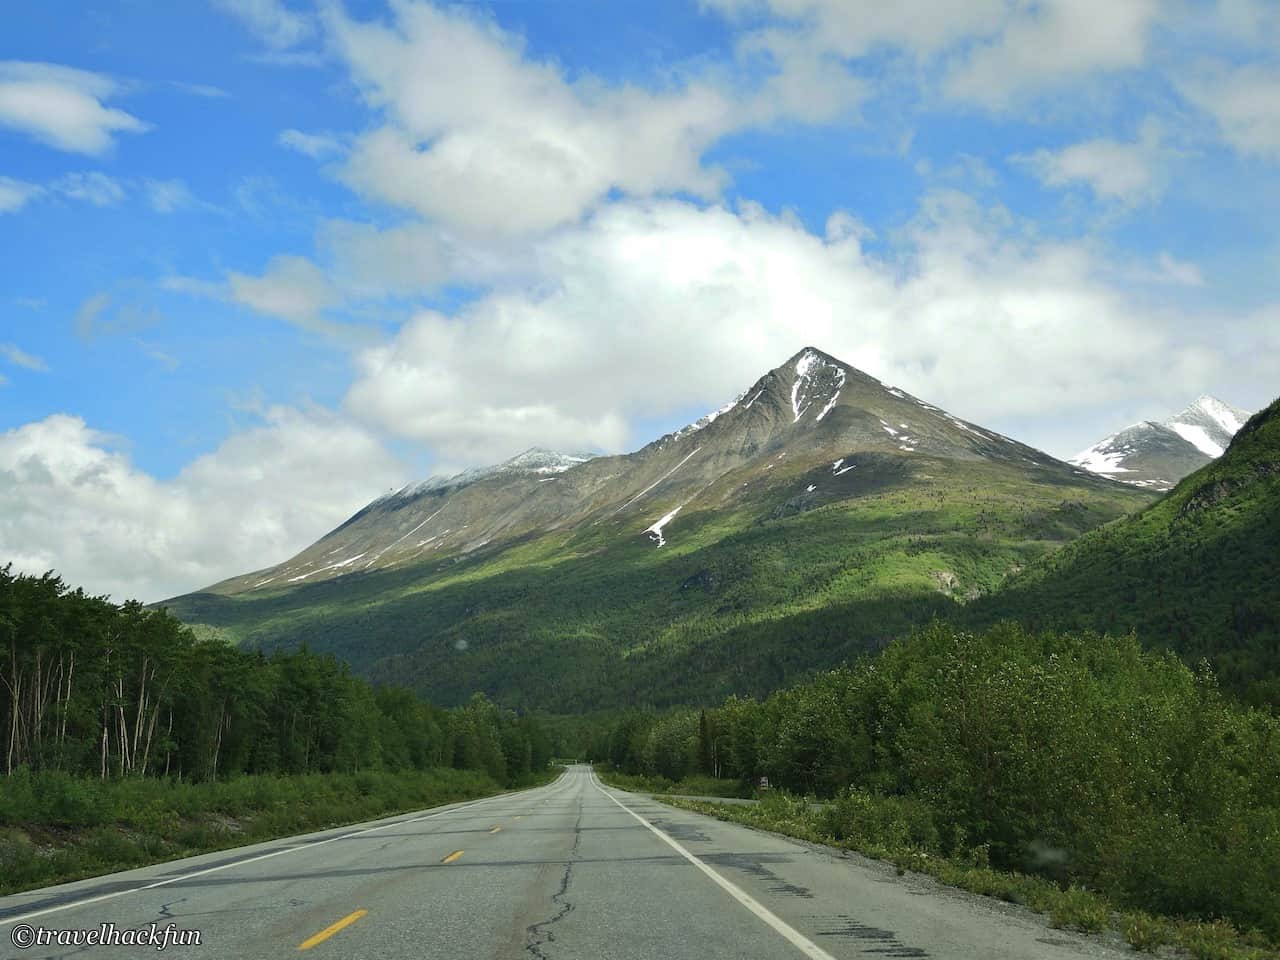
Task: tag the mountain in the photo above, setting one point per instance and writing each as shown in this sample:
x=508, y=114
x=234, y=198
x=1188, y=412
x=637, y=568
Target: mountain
x=1197, y=571
x=1156, y=455
x=816, y=515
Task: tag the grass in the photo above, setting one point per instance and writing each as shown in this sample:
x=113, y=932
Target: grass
x=55, y=828
x=886, y=828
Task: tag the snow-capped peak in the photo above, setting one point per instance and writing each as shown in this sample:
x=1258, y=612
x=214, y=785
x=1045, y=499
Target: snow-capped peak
x=1157, y=454
x=1230, y=418
x=818, y=380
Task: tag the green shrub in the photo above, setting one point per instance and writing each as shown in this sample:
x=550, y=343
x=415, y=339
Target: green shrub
x=1145, y=932
x=1081, y=909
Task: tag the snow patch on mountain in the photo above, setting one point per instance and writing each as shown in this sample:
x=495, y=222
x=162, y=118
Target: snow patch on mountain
x=655, y=531
x=817, y=380
x=1198, y=437
x=1157, y=454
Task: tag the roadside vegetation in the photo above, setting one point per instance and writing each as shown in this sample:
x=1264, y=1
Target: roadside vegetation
x=55, y=828
x=1076, y=773
x=693, y=785
x=126, y=740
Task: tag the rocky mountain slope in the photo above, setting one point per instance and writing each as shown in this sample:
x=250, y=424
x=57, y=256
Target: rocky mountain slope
x=815, y=515
x=1156, y=455
x=1197, y=571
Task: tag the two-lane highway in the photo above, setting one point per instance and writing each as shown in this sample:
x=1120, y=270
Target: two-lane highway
x=569, y=870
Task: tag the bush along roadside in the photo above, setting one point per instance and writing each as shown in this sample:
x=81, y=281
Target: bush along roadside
x=902, y=831
x=692, y=786
x=55, y=828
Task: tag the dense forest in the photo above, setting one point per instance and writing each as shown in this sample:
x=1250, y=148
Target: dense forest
x=89, y=687
x=1080, y=757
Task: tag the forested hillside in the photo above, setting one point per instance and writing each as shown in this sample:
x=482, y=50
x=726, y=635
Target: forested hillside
x=1197, y=572
x=1083, y=759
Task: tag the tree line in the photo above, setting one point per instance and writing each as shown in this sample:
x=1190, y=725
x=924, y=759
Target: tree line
x=91, y=687
x=1082, y=757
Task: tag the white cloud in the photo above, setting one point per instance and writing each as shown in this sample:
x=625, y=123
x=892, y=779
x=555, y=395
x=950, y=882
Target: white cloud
x=1111, y=169
x=72, y=502
x=270, y=20
x=20, y=358
x=93, y=187
x=1052, y=41
x=314, y=145
x=653, y=308
x=855, y=27
x=480, y=138
x=14, y=194
x=292, y=289
x=1245, y=103
x=168, y=196
x=62, y=107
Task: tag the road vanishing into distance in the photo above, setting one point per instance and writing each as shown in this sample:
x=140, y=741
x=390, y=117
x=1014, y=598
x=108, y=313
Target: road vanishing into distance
x=569, y=870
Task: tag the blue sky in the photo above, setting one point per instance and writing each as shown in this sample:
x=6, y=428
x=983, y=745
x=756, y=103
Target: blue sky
x=264, y=259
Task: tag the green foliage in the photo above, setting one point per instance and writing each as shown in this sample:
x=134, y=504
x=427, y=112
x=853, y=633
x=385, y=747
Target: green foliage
x=1080, y=909
x=1145, y=932
x=121, y=692
x=126, y=823
x=1195, y=572
x=694, y=785
x=1082, y=759
x=741, y=601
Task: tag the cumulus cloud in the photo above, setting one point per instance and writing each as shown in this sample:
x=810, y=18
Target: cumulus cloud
x=1245, y=103
x=1045, y=43
x=992, y=52
x=293, y=289
x=855, y=27
x=481, y=138
x=14, y=194
x=1113, y=170
x=653, y=308
x=72, y=501
x=62, y=106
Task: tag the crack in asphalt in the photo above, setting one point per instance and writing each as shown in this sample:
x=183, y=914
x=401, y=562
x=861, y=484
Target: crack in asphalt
x=541, y=933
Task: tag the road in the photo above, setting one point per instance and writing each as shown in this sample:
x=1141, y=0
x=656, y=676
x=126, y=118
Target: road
x=568, y=870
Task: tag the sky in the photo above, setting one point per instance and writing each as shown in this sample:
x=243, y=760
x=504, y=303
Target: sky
x=264, y=260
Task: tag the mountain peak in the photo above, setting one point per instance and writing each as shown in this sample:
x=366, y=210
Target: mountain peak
x=1157, y=454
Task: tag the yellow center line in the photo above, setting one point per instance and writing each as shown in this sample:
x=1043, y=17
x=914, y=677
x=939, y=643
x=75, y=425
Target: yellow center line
x=328, y=932
x=496, y=830
x=452, y=857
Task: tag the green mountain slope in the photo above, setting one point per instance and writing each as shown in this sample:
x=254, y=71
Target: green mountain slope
x=820, y=515
x=1198, y=571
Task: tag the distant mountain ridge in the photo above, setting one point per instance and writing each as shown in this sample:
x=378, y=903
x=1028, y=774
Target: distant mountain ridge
x=813, y=407
x=1157, y=454
x=1197, y=571
x=818, y=513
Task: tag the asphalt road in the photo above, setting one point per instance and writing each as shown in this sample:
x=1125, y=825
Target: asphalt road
x=569, y=870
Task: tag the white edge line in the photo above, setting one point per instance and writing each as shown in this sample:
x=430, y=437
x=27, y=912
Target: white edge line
x=240, y=863
x=788, y=932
